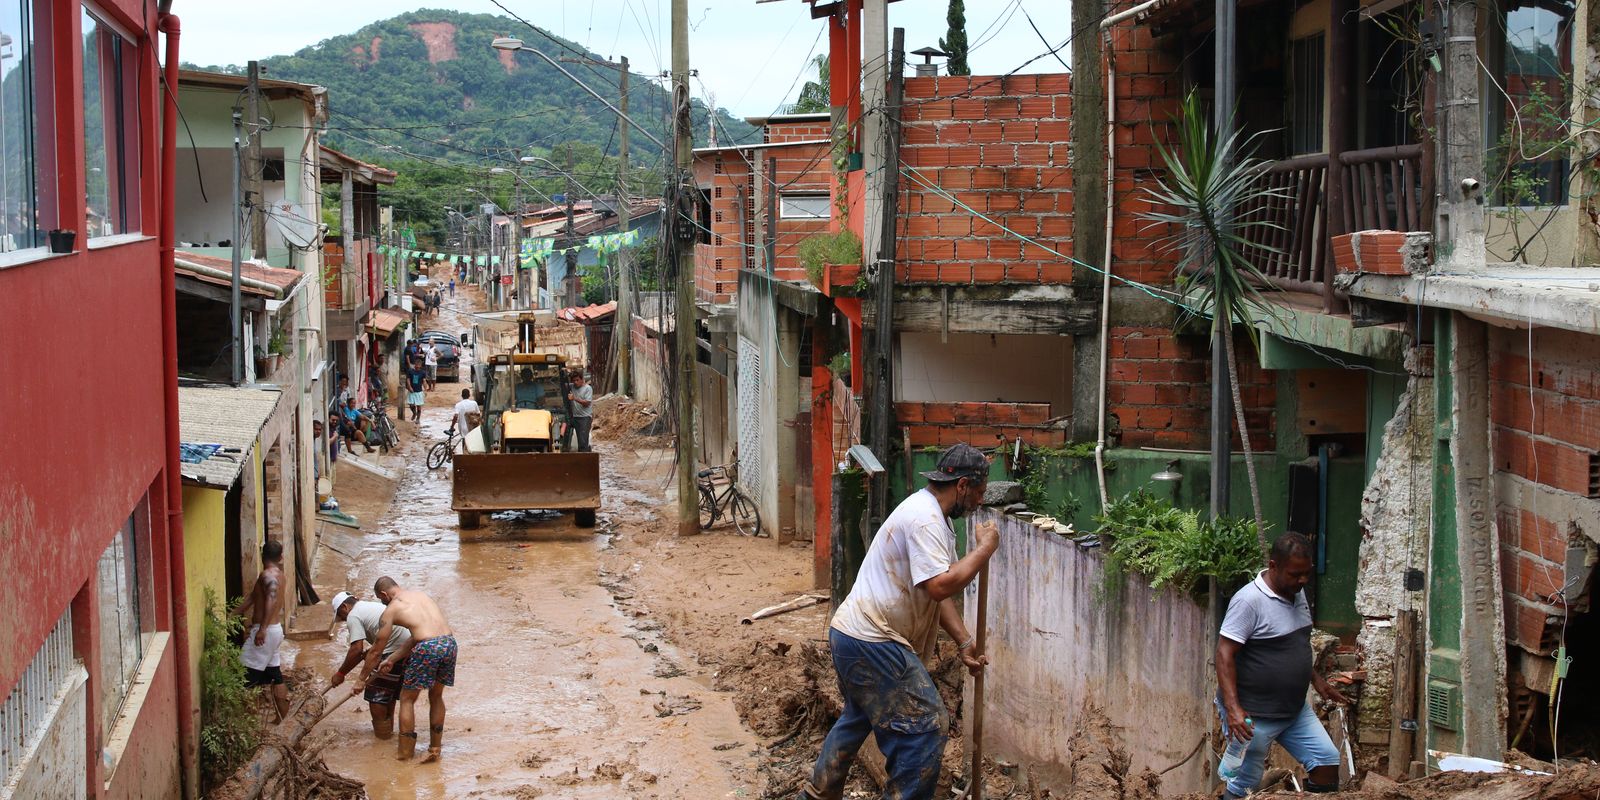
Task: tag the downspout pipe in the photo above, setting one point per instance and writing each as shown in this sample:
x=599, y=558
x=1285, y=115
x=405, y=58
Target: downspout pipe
x=189, y=751
x=1105, y=283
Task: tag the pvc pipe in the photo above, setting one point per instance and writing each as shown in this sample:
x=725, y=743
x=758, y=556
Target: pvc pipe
x=177, y=572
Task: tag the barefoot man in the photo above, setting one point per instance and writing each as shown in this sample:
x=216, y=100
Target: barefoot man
x=263, y=608
x=430, y=659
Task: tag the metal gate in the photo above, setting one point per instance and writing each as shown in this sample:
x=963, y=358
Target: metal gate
x=751, y=448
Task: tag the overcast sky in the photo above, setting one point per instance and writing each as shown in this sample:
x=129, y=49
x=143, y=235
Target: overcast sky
x=749, y=55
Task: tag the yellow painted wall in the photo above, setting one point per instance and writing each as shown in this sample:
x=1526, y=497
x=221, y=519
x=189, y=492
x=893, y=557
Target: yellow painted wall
x=204, y=555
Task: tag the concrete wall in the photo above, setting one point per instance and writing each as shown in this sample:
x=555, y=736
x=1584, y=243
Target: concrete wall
x=1141, y=655
x=56, y=766
x=983, y=367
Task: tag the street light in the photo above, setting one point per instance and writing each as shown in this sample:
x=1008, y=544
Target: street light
x=563, y=173
x=514, y=44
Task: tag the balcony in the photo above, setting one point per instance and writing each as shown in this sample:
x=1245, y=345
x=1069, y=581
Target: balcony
x=346, y=287
x=1382, y=189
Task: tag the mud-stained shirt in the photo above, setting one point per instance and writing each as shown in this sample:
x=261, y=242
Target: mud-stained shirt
x=366, y=619
x=886, y=604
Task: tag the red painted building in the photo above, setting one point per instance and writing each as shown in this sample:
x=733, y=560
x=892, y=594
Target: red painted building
x=90, y=532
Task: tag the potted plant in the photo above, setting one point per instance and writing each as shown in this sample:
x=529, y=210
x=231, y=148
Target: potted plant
x=832, y=261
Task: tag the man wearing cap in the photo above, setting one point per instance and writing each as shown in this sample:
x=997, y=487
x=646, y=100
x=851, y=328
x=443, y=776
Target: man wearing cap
x=361, y=618
x=886, y=629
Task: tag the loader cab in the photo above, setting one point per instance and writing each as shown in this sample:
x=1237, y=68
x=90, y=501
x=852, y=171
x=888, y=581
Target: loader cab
x=525, y=400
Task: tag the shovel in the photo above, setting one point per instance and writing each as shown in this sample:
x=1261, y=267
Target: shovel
x=974, y=788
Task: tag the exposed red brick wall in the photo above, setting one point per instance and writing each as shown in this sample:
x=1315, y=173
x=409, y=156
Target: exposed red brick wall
x=979, y=424
x=724, y=174
x=1001, y=146
x=1545, y=413
x=1148, y=86
x=795, y=168
x=797, y=131
x=1159, y=389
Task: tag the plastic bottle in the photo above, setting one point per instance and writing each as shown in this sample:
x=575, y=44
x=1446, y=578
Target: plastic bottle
x=1233, y=757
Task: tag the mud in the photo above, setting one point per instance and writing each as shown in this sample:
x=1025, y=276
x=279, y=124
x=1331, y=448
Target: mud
x=560, y=673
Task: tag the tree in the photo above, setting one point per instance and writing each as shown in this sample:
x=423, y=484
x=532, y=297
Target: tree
x=954, y=43
x=814, y=95
x=1208, y=180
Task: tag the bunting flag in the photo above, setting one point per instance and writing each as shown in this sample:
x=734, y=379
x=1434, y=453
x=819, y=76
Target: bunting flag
x=612, y=242
x=535, y=250
x=494, y=261
x=481, y=261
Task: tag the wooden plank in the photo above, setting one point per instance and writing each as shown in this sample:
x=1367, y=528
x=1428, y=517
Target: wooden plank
x=1325, y=406
x=996, y=316
x=1403, y=698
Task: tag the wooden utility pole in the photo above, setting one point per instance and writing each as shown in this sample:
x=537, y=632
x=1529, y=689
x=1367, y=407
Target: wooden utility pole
x=252, y=163
x=880, y=374
x=683, y=318
x=622, y=322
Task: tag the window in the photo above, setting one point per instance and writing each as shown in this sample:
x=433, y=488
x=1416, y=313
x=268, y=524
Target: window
x=804, y=206
x=27, y=204
x=1305, y=93
x=1530, y=109
x=123, y=594
x=110, y=129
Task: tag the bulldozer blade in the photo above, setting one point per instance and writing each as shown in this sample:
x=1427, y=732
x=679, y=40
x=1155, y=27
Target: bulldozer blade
x=511, y=481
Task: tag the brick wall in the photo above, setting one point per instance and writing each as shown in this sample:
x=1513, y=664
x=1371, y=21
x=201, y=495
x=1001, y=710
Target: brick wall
x=1148, y=83
x=1159, y=389
x=1545, y=412
x=724, y=175
x=978, y=424
x=794, y=168
x=809, y=130
x=1000, y=145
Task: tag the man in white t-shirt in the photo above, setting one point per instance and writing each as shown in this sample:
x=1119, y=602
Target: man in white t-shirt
x=361, y=620
x=466, y=406
x=886, y=628
x=430, y=362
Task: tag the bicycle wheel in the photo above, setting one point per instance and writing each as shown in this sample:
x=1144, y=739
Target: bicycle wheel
x=708, y=509
x=438, y=454
x=745, y=516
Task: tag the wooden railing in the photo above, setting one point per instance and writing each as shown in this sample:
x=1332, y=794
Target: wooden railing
x=1380, y=189
x=1384, y=189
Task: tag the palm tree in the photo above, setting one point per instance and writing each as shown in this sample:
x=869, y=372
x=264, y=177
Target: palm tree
x=1208, y=180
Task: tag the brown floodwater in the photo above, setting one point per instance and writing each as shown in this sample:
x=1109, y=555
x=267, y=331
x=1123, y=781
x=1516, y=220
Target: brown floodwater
x=558, y=693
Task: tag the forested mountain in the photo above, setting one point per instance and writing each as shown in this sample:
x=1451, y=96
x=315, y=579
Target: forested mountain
x=427, y=83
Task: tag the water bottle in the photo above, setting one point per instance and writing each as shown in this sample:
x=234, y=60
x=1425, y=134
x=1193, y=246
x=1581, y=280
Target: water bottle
x=1233, y=757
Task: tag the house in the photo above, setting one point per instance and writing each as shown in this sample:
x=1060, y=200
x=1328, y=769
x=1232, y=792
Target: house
x=352, y=280
x=90, y=502
x=566, y=252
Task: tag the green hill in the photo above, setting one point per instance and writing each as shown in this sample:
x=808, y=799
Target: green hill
x=428, y=83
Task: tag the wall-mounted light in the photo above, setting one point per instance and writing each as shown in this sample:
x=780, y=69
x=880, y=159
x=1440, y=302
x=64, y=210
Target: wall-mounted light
x=1169, y=474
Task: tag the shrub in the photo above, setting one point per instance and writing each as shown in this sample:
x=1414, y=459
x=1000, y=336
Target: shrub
x=228, y=724
x=821, y=249
x=1174, y=546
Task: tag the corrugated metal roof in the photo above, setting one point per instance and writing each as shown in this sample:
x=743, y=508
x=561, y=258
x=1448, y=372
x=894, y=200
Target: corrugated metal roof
x=230, y=416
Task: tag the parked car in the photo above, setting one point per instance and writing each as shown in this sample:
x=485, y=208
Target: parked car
x=449, y=348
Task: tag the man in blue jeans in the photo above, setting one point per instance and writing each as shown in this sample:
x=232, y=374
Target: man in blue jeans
x=885, y=629
x=1264, y=668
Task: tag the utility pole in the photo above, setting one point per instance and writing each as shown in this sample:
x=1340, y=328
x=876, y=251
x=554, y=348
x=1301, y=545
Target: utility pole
x=574, y=281
x=683, y=318
x=1221, y=399
x=235, y=318
x=879, y=376
x=622, y=322
x=252, y=164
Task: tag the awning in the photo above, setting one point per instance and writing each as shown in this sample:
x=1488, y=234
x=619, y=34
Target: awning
x=218, y=426
x=384, y=321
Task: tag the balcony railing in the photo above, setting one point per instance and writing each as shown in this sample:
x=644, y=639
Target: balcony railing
x=1382, y=189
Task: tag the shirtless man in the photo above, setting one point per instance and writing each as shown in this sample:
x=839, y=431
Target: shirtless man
x=430, y=659
x=263, y=608
x=362, y=618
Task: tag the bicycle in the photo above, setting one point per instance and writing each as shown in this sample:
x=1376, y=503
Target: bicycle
x=382, y=427
x=444, y=452
x=730, y=502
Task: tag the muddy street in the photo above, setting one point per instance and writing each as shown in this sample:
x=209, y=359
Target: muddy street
x=558, y=692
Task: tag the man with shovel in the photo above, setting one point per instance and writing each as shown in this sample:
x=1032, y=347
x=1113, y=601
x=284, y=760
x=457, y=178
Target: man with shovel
x=363, y=620
x=886, y=629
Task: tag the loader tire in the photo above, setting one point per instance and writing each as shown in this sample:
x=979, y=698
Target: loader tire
x=583, y=518
x=469, y=519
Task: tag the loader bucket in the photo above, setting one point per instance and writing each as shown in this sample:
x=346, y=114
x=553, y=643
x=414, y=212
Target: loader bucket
x=511, y=481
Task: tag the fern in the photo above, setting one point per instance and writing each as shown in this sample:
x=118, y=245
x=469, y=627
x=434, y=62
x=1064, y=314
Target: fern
x=1172, y=546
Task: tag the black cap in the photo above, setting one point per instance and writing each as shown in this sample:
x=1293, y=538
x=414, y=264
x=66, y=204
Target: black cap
x=962, y=460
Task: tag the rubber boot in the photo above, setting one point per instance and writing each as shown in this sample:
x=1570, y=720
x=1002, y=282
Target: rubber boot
x=435, y=734
x=408, y=745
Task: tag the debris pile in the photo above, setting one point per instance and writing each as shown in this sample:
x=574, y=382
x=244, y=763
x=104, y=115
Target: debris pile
x=633, y=424
x=1099, y=762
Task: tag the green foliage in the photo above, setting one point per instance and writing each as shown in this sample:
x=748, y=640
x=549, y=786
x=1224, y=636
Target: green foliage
x=1036, y=487
x=821, y=249
x=1172, y=546
x=839, y=365
x=954, y=42
x=228, y=724
x=814, y=97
